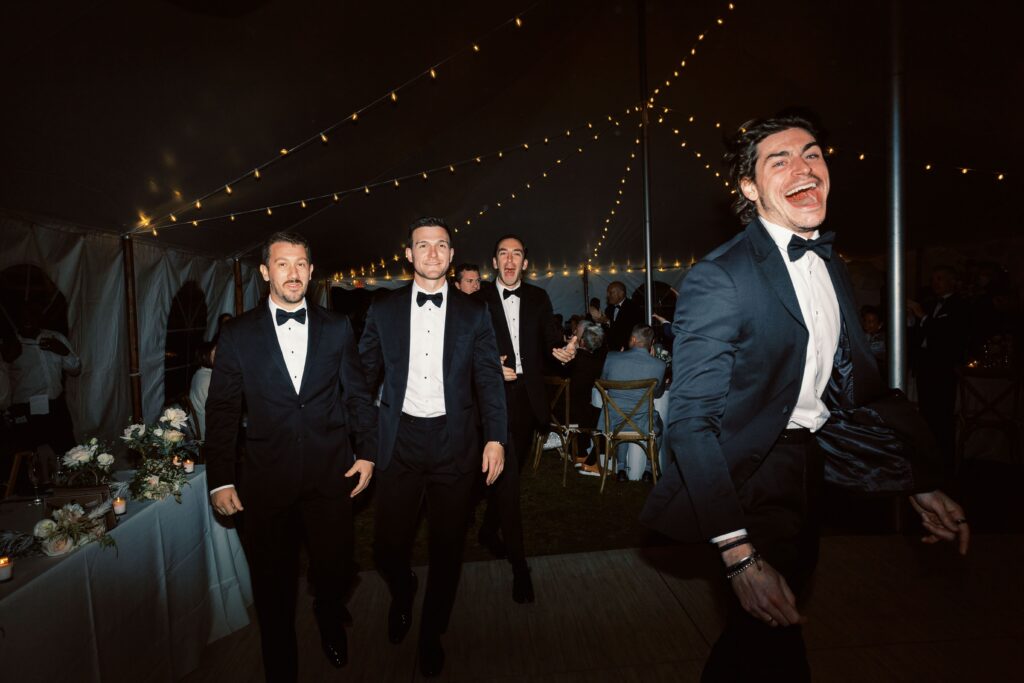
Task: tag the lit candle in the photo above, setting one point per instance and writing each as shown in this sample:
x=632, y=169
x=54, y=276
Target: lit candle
x=176, y=461
x=120, y=506
x=6, y=568
x=189, y=467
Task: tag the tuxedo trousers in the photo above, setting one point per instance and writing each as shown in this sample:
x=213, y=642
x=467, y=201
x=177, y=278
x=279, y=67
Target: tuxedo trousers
x=423, y=469
x=781, y=503
x=272, y=532
x=504, y=510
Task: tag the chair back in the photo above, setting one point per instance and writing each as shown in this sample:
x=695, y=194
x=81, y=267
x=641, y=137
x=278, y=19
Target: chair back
x=988, y=397
x=628, y=413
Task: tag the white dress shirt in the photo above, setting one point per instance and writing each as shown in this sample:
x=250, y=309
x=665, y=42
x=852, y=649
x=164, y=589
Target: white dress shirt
x=424, y=388
x=820, y=310
x=37, y=376
x=512, y=306
x=293, y=338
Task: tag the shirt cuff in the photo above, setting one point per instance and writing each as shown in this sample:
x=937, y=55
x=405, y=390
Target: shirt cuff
x=729, y=536
x=221, y=488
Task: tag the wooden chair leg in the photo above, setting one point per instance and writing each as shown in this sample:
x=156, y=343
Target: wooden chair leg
x=609, y=449
x=15, y=469
x=538, y=448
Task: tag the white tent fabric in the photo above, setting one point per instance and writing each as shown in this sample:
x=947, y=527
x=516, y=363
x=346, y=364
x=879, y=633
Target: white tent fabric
x=87, y=267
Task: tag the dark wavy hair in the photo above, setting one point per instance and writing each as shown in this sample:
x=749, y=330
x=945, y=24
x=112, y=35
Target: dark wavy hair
x=429, y=222
x=289, y=237
x=741, y=153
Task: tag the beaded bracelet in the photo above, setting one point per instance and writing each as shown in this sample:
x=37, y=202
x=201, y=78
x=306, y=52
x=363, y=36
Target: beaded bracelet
x=734, y=570
x=735, y=543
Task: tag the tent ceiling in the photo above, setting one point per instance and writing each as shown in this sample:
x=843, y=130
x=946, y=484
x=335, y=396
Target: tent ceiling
x=113, y=107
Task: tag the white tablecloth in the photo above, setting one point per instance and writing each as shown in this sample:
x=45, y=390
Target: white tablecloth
x=144, y=611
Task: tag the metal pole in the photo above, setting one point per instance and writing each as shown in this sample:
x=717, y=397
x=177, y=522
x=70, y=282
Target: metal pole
x=645, y=162
x=131, y=311
x=896, y=272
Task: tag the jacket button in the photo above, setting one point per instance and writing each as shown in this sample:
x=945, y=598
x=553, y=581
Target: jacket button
x=301, y=406
x=785, y=410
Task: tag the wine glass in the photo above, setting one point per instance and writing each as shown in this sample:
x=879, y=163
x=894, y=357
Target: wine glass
x=34, y=476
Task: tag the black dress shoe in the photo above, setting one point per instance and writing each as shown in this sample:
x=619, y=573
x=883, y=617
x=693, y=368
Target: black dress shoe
x=622, y=476
x=431, y=656
x=492, y=542
x=648, y=477
x=522, y=586
x=400, y=614
x=335, y=645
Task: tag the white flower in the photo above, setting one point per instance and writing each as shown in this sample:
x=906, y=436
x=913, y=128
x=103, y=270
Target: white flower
x=105, y=460
x=175, y=416
x=134, y=431
x=79, y=455
x=173, y=436
x=44, y=528
x=152, y=481
x=69, y=513
x=158, y=432
x=93, y=441
x=62, y=545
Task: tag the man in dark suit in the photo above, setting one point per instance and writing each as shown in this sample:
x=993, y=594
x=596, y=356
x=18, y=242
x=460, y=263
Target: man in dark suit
x=619, y=317
x=431, y=349
x=522, y=318
x=295, y=364
x=760, y=324
x=938, y=339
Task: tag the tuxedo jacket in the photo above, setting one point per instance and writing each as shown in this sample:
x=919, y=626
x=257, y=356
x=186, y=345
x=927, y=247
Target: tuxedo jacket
x=538, y=335
x=739, y=354
x=473, y=383
x=621, y=329
x=292, y=439
x=940, y=340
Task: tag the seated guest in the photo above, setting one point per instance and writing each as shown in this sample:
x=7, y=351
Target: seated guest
x=637, y=363
x=206, y=352
x=590, y=355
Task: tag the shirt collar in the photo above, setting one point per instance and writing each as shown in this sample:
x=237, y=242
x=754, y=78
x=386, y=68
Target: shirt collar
x=781, y=236
x=501, y=285
x=444, y=290
x=274, y=307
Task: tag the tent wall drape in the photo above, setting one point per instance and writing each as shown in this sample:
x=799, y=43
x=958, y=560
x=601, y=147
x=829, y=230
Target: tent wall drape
x=87, y=268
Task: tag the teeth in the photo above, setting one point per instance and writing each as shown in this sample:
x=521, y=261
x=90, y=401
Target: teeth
x=805, y=186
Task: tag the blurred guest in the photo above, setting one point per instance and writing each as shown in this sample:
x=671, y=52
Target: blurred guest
x=38, y=364
x=635, y=364
x=590, y=356
x=221, y=320
x=594, y=306
x=206, y=353
x=939, y=345
x=467, y=278
x=619, y=316
x=871, y=321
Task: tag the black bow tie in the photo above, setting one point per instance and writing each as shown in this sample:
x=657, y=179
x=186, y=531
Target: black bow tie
x=506, y=293
x=298, y=316
x=423, y=297
x=821, y=246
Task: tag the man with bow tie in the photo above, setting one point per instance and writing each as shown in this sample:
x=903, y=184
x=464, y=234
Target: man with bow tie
x=767, y=343
x=296, y=366
x=431, y=349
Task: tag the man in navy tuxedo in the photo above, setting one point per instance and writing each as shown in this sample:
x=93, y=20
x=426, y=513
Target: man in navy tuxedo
x=431, y=349
x=762, y=324
x=297, y=368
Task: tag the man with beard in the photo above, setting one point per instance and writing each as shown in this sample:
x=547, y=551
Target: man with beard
x=760, y=325
x=522, y=318
x=295, y=364
x=431, y=348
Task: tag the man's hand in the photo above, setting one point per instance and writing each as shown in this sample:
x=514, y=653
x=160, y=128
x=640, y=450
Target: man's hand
x=658, y=319
x=54, y=346
x=943, y=518
x=494, y=461
x=226, y=502
x=915, y=309
x=364, y=468
x=597, y=315
x=762, y=591
x=508, y=373
x=567, y=353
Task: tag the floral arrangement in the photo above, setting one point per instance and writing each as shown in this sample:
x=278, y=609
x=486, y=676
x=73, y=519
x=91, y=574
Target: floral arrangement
x=71, y=527
x=164, y=448
x=663, y=354
x=86, y=464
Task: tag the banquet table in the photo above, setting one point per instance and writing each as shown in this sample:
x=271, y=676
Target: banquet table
x=141, y=611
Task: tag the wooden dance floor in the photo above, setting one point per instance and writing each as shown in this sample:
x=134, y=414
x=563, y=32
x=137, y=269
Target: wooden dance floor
x=884, y=608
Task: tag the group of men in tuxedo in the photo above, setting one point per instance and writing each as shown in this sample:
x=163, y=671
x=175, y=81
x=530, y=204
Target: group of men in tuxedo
x=765, y=347
x=460, y=390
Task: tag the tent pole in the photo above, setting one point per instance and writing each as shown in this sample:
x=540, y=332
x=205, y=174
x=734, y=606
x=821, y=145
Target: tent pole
x=239, y=307
x=131, y=311
x=645, y=162
x=896, y=275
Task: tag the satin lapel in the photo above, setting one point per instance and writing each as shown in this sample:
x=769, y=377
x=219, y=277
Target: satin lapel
x=452, y=315
x=316, y=328
x=272, y=348
x=847, y=304
x=769, y=260
x=497, y=310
